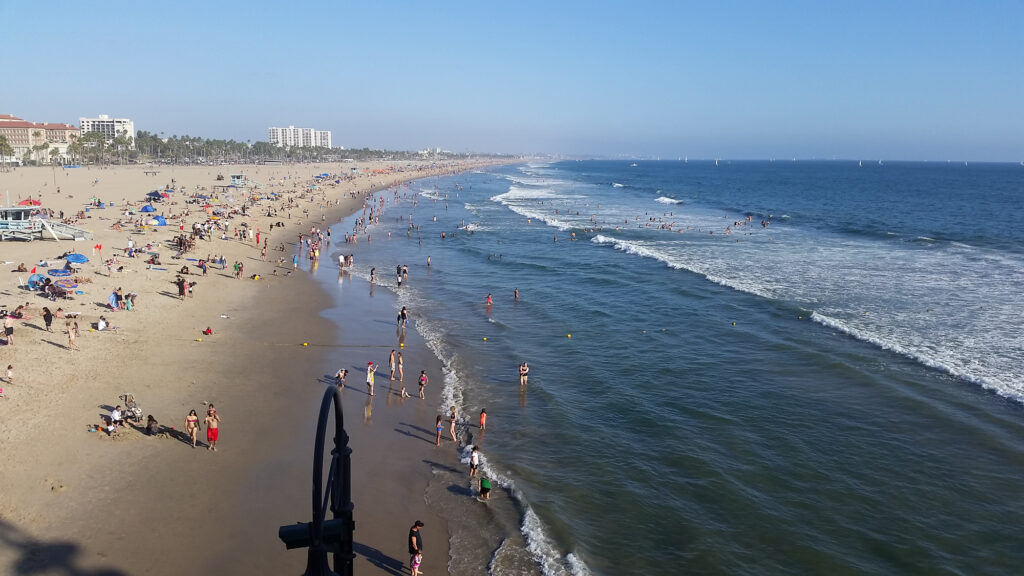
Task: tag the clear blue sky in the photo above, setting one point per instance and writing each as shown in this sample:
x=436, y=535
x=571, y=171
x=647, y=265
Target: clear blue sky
x=898, y=80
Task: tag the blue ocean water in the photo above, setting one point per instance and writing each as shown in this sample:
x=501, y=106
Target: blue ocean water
x=748, y=368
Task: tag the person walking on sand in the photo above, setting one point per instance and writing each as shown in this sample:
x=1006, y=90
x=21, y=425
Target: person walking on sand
x=416, y=542
x=439, y=426
x=212, y=422
x=524, y=373
x=9, y=329
x=10, y=373
x=423, y=382
x=47, y=318
x=401, y=369
x=71, y=336
x=451, y=422
x=391, y=363
x=370, y=369
x=192, y=426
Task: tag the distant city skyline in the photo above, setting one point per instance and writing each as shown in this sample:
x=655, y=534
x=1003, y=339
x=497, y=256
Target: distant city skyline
x=910, y=80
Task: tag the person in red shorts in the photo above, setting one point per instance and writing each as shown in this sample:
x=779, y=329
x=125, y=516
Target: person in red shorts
x=212, y=422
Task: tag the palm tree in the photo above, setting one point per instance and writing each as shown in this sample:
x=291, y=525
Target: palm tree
x=5, y=150
x=36, y=135
x=43, y=147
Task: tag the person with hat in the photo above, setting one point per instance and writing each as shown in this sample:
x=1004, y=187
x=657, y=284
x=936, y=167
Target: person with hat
x=370, y=369
x=415, y=542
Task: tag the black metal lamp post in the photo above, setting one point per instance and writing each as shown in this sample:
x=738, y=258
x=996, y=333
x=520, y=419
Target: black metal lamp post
x=324, y=536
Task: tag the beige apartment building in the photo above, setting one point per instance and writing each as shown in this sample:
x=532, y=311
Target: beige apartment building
x=23, y=136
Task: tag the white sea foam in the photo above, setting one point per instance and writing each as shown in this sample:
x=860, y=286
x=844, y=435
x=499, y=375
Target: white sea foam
x=536, y=180
x=946, y=307
x=651, y=250
x=521, y=193
x=541, y=548
x=667, y=200
x=527, y=202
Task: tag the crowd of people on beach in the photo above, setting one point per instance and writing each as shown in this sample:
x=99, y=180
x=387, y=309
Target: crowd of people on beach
x=446, y=426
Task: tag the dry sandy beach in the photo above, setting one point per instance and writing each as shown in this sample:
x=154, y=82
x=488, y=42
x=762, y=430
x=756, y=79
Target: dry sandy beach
x=81, y=502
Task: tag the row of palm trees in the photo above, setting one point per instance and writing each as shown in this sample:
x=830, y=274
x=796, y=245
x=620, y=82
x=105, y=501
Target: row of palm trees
x=95, y=148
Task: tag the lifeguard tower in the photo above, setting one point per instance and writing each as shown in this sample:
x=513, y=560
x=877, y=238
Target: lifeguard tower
x=24, y=223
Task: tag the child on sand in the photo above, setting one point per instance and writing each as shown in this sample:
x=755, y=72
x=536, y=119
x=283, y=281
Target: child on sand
x=417, y=559
x=10, y=373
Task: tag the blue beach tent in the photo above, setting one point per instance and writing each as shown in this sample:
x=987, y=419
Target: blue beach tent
x=148, y=208
x=160, y=221
x=77, y=258
x=35, y=281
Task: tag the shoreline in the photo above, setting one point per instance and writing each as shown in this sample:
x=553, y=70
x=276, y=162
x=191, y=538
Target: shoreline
x=93, y=494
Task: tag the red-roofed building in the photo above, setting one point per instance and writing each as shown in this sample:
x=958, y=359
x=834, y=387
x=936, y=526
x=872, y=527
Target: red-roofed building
x=26, y=138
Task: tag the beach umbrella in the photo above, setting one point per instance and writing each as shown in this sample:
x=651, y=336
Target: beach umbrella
x=66, y=284
x=35, y=281
x=30, y=202
x=148, y=208
x=58, y=272
x=77, y=258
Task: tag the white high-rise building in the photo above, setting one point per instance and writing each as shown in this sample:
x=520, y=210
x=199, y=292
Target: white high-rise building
x=302, y=137
x=109, y=127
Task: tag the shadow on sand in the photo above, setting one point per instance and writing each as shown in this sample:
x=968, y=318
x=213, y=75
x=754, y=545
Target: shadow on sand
x=32, y=556
x=379, y=559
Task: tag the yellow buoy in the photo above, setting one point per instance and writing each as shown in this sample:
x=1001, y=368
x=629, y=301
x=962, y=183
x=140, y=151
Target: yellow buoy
x=199, y=339
x=305, y=343
x=485, y=338
x=733, y=323
x=568, y=335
